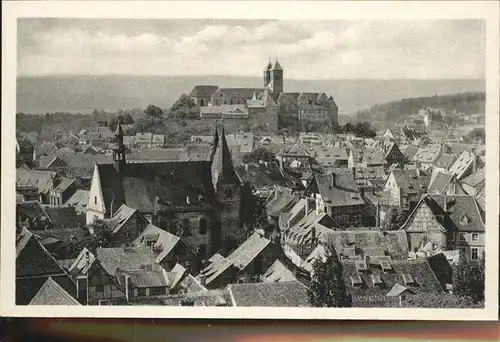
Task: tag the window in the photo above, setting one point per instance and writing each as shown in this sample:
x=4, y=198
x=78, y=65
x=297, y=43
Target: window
x=474, y=254
x=203, y=226
x=99, y=288
x=475, y=237
x=141, y=292
x=95, y=200
x=58, y=200
x=201, y=102
x=451, y=237
x=462, y=237
x=158, y=291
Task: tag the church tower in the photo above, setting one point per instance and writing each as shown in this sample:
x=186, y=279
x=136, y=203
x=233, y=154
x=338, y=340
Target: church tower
x=227, y=188
x=119, y=149
x=267, y=74
x=276, y=78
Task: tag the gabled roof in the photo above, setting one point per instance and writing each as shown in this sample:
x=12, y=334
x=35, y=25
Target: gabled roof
x=81, y=265
x=396, y=290
x=278, y=272
x=124, y=258
x=444, y=182
x=411, y=181
x=43, y=180
x=279, y=294
x=444, y=161
x=428, y=154
x=463, y=163
x=277, y=66
x=79, y=201
x=239, y=92
x=178, y=273
x=51, y=293
x=120, y=217
x=409, y=151
x=475, y=179
x=261, y=175
x=64, y=184
x=283, y=197
x=146, y=279
x=337, y=190
x=32, y=210
x=164, y=242
x=63, y=217
x=203, y=90
x=32, y=259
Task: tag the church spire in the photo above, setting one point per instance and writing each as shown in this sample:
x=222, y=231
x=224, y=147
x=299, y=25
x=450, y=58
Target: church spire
x=222, y=164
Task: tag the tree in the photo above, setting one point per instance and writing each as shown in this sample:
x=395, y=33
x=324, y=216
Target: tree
x=128, y=119
x=327, y=288
x=182, y=107
x=113, y=123
x=153, y=111
x=258, y=155
x=468, y=280
x=253, y=208
x=394, y=219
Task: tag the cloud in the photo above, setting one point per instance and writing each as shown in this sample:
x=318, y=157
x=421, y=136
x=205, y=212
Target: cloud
x=306, y=49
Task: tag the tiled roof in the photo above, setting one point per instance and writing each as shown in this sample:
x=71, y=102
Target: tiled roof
x=239, y=92
x=159, y=154
x=261, y=175
x=79, y=265
x=32, y=210
x=279, y=294
x=288, y=99
x=32, y=259
x=164, y=242
x=51, y=293
x=278, y=272
x=409, y=151
x=64, y=184
x=440, y=182
x=428, y=154
x=178, y=273
x=79, y=201
x=283, y=198
x=475, y=179
x=190, y=284
x=463, y=163
x=339, y=192
x=301, y=232
x=418, y=269
x=200, y=298
x=143, y=278
x=120, y=217
x=203, y=90
x=125, y=258
x=444, y=161
x=63, y=217
x=441, y=268
x=462, y=210
x=224, y=110
x=43, y=180
x=411, y=181
x=239, y=258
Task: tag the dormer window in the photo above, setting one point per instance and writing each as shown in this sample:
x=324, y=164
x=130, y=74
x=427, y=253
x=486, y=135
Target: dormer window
x=464, y=220
x=356, y=280
x=376, y=279
x=408, y=279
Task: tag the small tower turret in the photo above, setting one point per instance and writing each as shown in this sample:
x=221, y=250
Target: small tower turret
x=276, y=78
x=119, y=150
x=267, y=74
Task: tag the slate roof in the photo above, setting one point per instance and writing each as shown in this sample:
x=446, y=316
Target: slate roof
x=164, y=242
x=279, y=294
x=419, y=269
x=51, y=293
x=43, y=180
x=203, y=90
x=125, y=258
x=341, y=192
x=79, y=201
x=278, y=272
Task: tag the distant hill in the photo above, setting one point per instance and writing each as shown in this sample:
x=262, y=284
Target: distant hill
x=387, y=114
x=113, y=92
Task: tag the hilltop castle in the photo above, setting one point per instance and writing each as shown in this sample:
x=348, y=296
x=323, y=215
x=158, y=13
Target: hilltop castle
x=269, y=109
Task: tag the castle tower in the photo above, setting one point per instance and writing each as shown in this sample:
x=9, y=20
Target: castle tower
x=227, y=187
x=119, y=149
x=276, y=78
x=267, y=74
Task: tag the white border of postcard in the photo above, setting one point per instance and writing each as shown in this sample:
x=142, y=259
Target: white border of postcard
x=12, y=10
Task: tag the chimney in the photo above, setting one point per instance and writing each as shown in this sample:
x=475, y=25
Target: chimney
x=333, y=179
x=246, y=167
x=313, y=235
x=445, y=206
x=367, y=260
x=474, y=161
x=377, y=215
x=307, y=206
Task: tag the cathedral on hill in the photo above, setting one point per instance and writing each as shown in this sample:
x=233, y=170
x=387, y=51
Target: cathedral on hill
x=269, y=108
x=199, y=201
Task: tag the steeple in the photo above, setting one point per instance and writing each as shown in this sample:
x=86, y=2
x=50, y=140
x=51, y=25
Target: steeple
x=275, y=83
x=119, y=149
x=222, y=164
x=267, y=73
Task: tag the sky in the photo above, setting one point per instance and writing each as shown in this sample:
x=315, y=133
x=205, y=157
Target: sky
x=308, y=49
